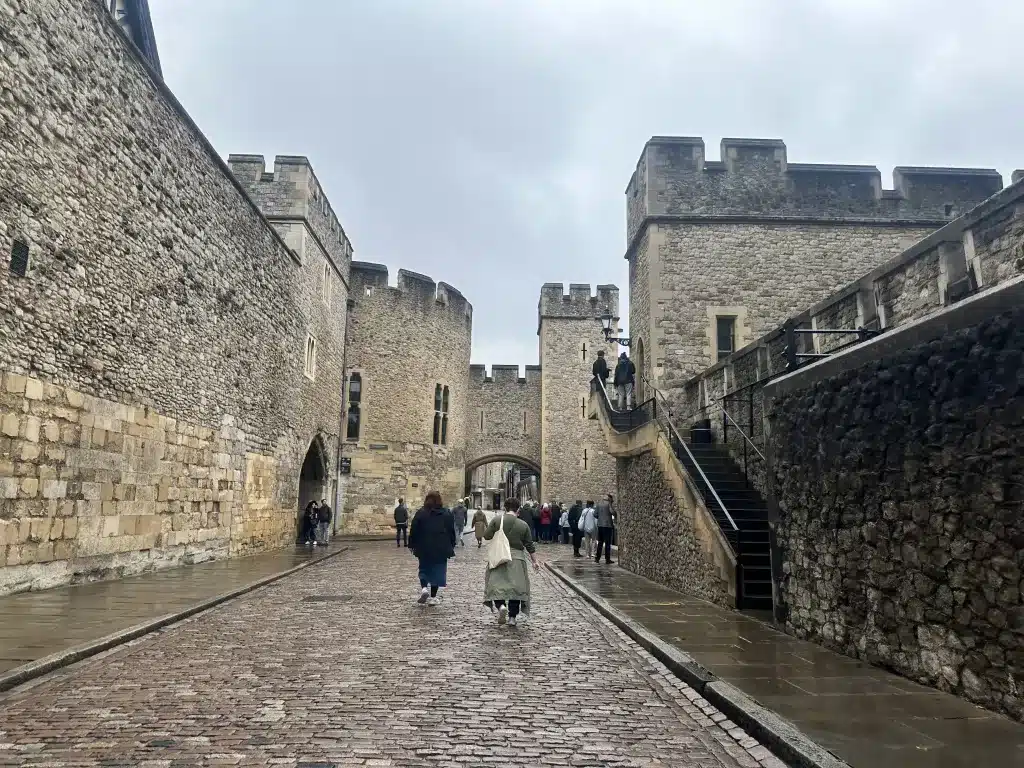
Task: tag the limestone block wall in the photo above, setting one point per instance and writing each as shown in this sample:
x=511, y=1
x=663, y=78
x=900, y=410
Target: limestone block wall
x=575, y=463
x=504, y=413
x=897, y=472
x=758, y=238
x=152, y=282
x=403, y=342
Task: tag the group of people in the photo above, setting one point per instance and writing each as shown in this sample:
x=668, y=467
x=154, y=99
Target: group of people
x=624, y=378
x=434, y=533
x=586, y=525
x=316, y=524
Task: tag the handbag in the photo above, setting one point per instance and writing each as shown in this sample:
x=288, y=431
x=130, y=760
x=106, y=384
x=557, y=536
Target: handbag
x=499, y=552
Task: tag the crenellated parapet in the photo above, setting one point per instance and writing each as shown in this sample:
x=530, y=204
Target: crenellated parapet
x=579, y=302
x=753, y=179
x=504, y=374
x=414, y=292
x=293, y=194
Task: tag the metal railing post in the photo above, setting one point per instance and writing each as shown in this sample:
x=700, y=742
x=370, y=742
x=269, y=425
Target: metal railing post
x=791, y=359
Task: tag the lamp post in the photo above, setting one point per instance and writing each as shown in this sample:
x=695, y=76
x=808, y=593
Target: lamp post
x=608, y=326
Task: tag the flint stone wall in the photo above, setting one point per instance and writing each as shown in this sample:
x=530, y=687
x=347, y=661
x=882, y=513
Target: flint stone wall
x=899, y=484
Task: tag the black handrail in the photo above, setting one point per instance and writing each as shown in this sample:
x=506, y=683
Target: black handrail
x=627, y=420
x=795, y=358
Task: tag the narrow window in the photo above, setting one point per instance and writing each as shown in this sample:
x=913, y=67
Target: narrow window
x=584, y=458
x=525, y=429
x=441, y=415
x=437, y=427
x=437, y=397
x=19, y=258
x=584, y=351
x=481, y=421
x=310, y=364
x=444, y=429
x=444, y=401
x=327, y=283
x=725, y=334
x=583, y=407
x=355, y=404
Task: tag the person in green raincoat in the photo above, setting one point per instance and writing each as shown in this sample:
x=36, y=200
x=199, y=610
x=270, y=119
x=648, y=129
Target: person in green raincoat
x=507, y=587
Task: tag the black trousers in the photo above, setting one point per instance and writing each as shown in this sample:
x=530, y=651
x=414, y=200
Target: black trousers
x=402, y=535
x=513, y=607
x=577, y=539
x=604, y=539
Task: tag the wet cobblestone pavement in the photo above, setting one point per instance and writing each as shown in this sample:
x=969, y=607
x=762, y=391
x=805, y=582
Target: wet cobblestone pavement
x=337, y=665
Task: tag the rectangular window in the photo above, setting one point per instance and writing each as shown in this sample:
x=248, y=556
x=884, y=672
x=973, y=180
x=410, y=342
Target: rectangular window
x=327, y=283
x=19, y=258
x=725, y=335
x=310, y=364
x=355, y=397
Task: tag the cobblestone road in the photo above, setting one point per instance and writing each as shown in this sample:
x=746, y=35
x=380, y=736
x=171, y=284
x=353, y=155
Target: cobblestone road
x=361, y=675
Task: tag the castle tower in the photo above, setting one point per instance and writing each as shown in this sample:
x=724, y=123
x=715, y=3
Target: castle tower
x=574, y=464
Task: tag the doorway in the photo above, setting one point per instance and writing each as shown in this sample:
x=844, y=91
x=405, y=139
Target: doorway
x=312, y=480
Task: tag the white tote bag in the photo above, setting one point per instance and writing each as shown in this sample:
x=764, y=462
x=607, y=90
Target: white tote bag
x=499, y=552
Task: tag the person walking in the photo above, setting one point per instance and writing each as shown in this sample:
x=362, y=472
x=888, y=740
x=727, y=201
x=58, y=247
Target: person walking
x=545, y=522
x=507, y=587
x=588, y=522
x=432, y=540
x=309, y=522
x=461, y=515
x=479, y=526
x=575, y=518
x=600, y=369
x=605, y=529
x=323, y=516
x=401, y=524
x=556, y=516
x=625, y=378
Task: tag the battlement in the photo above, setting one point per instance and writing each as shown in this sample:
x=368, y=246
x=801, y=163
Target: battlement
x=578, y=302
x=292, y=191
x=504, y=374
x=754, y=179
x=413, y=289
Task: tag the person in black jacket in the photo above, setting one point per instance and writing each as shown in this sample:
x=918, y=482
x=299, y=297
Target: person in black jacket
x=600, y=368
x=309, y=521
x=432, y=540
x=323, y=517
x=401, y=524
x=625, y=377
x=575, y=512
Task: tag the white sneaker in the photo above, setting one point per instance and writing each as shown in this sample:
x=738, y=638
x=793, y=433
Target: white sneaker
x=433, y=601
x=424, y=594
x=503, y=615
x=512, y=621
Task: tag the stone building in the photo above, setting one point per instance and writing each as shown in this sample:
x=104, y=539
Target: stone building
x=722, y=251
x=161, y=400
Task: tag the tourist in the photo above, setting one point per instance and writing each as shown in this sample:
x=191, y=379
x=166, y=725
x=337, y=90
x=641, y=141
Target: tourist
x=605, y=529
x=432, y=540
x=556, y=514
x=507, y=587
x=323, y=516
x=625, y=378
x=401, y=524
x=575, y=515
x=460, y=514
x=600, y=369
x=528, y=514
x=309, y=522
x=563, y=523
x=588, y=524
x=479, y=526
x=545, y=522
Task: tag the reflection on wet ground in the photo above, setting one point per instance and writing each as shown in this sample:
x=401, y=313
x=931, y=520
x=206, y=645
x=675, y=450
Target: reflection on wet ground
x=36, y=624
x=866, y=716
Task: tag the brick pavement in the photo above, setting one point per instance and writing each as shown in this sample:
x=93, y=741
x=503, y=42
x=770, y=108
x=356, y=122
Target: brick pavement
x=364, y=676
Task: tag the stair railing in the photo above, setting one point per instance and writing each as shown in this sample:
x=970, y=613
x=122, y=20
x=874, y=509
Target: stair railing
x=748, y=444
x=631, y=418
x=677, y=442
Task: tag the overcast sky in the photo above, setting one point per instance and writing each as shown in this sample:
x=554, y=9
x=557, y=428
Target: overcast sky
x=488, y=143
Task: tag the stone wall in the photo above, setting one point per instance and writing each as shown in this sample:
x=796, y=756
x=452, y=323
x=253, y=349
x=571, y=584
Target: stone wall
x=758, y=238
x=504, y=414
x=575, y=464
x=403, y=342
x=663, y=536
x=897, y=470
x=154, y=285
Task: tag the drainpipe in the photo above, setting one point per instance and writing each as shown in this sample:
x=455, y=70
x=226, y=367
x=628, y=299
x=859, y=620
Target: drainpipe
x=349, y=306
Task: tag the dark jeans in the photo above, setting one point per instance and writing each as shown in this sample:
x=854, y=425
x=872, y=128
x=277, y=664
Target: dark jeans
x=577, y=539
x=553, y=531
x=604, y=539
x=513, y=607
x=401, y=535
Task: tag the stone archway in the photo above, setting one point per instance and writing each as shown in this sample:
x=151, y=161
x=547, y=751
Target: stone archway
x=496, y=457
x=312, y=478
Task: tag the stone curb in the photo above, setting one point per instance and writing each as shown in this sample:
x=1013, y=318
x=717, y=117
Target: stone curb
x=784, y=739
x=39, y=667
